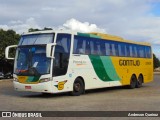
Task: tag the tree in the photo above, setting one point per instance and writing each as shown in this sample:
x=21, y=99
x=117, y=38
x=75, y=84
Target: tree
x=156, y=61
x=47, y=28
x=7, y=38
x=35, y=29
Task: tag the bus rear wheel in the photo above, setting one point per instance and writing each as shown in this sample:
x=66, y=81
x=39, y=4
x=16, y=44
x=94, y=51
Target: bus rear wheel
x=78, y=87
x=139, y=81
x=133, y=82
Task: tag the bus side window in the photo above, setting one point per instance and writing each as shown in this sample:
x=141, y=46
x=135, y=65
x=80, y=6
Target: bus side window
x=141, y=51
x=120, y=50
x=113, y=50
x=110, y=50
x=82, y=49
x=75, y=45
x=134, y=51
x=79, y=45
x=92, y=47
x=131, y=51
x=95, y=48
x=107, y=48
x=103, y=49
x=88, y=49
x=128, y=51
x=116, y=49
x=123, y=50
x=99, y=49
x=148, y=51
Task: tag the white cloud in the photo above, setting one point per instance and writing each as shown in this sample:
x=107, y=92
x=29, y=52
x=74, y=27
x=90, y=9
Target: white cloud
x=130, y=19
x=76, y=25
x=20, y=26
x=15, y=22
x=145, y=28
x=71, y=24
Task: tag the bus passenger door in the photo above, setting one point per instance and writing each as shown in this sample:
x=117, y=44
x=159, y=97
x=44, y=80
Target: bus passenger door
x=62, y=53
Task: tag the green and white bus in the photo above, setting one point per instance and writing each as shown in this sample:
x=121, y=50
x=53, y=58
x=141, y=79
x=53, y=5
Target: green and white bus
x=67, y=61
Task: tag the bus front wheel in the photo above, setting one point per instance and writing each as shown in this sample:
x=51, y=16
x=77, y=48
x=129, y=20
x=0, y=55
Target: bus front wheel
x=78, y=87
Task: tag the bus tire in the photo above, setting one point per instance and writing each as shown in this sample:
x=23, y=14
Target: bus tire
x=133, y=82
x=78, y=87
x=139, y=81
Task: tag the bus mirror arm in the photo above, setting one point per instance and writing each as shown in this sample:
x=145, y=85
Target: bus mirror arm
x=7, y=51
x=49, y=50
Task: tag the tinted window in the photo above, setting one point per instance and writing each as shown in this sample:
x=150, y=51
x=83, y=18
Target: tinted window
x=116, y=49
x=127, y=50
x=107, y=48
x=148, y=51
x=62, y=53
x=94, y=46
x=141, y=51
x=36, y=39
x=134, y=51
x=122, y=49
x=79, y=45
x=88, y=47
x=97, y=47
x=103, y=48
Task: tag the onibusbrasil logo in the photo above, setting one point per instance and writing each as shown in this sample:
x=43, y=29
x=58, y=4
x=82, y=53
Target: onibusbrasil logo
x=21, y=114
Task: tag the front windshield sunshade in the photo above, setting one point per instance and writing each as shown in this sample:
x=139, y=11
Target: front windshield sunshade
x=34, y=39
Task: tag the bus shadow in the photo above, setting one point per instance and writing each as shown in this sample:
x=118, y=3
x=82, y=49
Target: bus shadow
x=108, y=89
x=57, y=95
x=87, y=92
x=113, y=89
x=13, y=93
x=46, y=95
x=9, y=91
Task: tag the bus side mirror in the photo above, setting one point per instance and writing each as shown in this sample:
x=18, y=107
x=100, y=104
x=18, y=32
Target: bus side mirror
x=49, y=50
x=7, y=52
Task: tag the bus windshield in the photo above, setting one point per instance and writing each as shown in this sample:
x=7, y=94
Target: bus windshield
x=31, y=61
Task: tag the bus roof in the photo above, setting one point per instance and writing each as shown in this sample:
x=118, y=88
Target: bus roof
x=92, y=34
x=117, y=38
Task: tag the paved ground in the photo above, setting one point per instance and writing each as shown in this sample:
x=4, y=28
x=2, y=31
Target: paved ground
x=146, y=98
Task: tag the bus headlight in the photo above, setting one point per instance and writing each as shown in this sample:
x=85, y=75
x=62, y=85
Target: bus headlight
x=45, y=80
x=15, y=79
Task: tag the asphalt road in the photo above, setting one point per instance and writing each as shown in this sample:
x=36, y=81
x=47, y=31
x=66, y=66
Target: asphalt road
x=146, y=98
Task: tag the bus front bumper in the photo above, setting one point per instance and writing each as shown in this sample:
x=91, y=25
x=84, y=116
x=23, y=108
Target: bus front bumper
x=45, y=87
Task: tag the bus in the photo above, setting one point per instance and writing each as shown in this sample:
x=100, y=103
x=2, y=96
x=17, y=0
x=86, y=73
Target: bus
x=68, y=61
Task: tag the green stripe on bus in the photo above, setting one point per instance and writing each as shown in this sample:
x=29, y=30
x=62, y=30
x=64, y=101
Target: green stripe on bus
x=88, y=35
x=104, y=68
x=110, y=70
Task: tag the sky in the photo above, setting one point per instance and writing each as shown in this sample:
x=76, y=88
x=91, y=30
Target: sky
x=137, y=20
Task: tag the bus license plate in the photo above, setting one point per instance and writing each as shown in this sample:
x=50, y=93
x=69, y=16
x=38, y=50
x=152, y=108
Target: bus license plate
x=27, y=87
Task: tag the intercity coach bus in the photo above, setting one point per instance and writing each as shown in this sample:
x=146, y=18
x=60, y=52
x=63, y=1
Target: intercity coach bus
x=67, y=61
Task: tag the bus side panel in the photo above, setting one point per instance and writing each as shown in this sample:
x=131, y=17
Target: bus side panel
x=126, y=67
x=93, y=71
x=148, y=70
